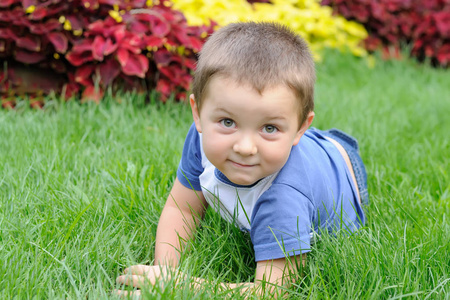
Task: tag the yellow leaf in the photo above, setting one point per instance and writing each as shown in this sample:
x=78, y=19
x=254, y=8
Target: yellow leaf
x=67, y=25
x=30, y=9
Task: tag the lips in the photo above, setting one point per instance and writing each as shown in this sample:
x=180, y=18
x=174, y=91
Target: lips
x=241, y=165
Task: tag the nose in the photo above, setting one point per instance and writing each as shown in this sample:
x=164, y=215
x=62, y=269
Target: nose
x=245, y=145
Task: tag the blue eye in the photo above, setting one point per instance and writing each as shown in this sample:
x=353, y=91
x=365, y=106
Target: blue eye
x=227, y=123
x=270, y=129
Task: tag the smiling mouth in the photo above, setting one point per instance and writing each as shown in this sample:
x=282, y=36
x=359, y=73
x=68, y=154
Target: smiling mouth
x=241, y=165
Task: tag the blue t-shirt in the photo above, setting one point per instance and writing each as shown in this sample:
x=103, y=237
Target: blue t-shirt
x=313, y=191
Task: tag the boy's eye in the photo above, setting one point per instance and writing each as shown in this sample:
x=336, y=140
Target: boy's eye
x=270, y=129
x=227, y=123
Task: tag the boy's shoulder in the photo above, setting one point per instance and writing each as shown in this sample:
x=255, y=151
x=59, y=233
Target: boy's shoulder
x=310, y=161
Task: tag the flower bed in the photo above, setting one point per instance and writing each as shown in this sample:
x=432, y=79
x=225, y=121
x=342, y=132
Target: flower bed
x=314, y=22
x=97, y=44
x=423, y=25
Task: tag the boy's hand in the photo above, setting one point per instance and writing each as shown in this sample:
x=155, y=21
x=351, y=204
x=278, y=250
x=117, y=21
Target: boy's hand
x=140, y=276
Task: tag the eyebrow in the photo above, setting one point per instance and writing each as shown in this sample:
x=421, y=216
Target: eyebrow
x=269, y=119
x=276, y=119
x=221, y=109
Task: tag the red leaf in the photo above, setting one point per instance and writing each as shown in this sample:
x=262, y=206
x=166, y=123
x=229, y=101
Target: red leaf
x=6, y=33
x=98, y=47
x=132, y=43
x=28, y=3
x=444, y=55
x=122, y=56
x=104, y=27
x=131, y=48
x=76, y=21
x=163, y=86
x=110, y=47
x=138, y=27
x=181, y=35
x=108, y=71
x=109, y=2
x=9, y=104
x=92, y=94
x=196, y=44
x=112, y=30
x=164, y=57
x=6, y=3
x=81, y=52
x=32, y=43
x=83, y=74
x=70, y=90
x=43, y=28
x=442, y=20
x=79, y=58
x=5, y=16
x=168, y=72
x=97, y=27
x=160, y=27
x=153, y=41
x=189, y=62
x=59, y=41
x=119, y=34
x=83, y=45
x=27, y=57
x=136, y=65
x=39, y=13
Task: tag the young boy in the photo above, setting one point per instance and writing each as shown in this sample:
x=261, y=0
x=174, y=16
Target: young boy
x=250, y=155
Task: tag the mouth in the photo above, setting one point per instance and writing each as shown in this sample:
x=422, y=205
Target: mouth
x=239, y=165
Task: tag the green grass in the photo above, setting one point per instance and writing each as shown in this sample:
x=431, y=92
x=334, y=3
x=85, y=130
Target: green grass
x=82, y=187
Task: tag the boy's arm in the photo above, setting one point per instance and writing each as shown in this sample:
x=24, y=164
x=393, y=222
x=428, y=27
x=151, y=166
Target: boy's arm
x=181, y=214
x=271, y=274
x=177, y=224
x=272, y=277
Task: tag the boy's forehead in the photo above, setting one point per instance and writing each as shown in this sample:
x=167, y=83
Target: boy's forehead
x=224, y=91
x=223, y=85
x=233, y=82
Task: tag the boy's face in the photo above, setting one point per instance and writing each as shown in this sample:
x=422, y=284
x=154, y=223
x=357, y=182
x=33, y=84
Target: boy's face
x=247, y=135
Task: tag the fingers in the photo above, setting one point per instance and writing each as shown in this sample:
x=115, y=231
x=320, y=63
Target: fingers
x=151, y=272
x=133, y=280
x=142, y=277
x=139, y=275
x=138, y=270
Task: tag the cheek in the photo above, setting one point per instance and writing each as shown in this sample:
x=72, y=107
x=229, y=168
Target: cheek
x=215, y=148
x=277, y=155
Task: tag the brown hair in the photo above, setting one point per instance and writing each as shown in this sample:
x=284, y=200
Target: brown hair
x=263, y=55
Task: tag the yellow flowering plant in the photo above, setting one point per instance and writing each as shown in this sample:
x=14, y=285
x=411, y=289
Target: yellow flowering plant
x=315, y=23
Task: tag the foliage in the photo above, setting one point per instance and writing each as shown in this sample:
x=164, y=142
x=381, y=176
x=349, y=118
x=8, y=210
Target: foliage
x=314, y=22
x=259, y=1
x=82, y=188
x=98, y=44
x=424, y=24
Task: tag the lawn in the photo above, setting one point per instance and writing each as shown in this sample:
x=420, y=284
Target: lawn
x=82, y=187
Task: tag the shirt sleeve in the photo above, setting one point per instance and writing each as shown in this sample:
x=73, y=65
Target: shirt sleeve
x=281, y=223
x=190, y=167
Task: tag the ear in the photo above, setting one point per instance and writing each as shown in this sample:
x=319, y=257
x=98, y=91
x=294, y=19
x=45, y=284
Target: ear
x=195, y=113
x=303, y=128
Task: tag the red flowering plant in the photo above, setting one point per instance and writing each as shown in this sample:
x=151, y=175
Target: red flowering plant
x=424, y=25
x=97, y=44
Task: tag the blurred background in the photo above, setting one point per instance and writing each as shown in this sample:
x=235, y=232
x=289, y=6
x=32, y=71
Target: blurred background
x=88, y=47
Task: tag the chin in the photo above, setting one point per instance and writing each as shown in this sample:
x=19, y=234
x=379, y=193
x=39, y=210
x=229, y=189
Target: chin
x=241, y=181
